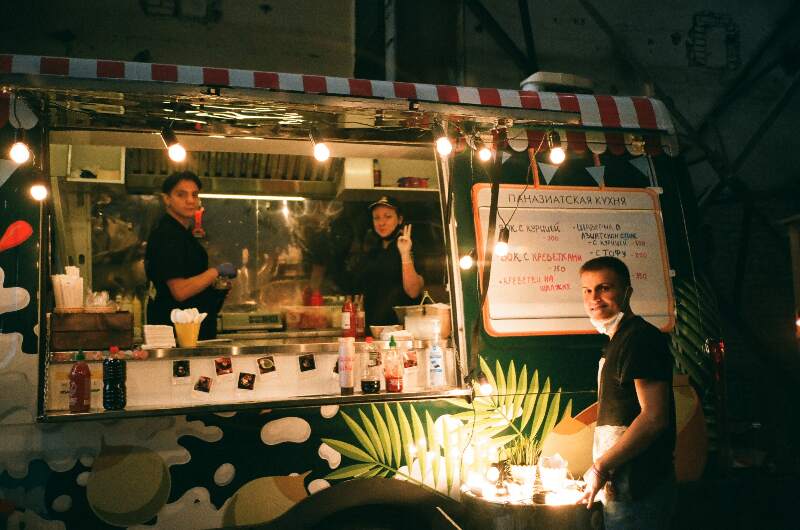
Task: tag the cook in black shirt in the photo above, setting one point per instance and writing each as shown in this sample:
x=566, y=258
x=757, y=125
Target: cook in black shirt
x=388, y=276
x=177, y=264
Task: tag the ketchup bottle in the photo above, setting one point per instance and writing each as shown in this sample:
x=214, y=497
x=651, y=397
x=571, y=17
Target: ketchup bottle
x=80, y=385
x=348, y=318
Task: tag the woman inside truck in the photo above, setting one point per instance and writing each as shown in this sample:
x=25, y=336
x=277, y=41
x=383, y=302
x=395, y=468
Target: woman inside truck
x=177, y=263
x=387, y=276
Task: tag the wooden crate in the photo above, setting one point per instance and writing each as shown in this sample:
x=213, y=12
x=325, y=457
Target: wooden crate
x=91, y=331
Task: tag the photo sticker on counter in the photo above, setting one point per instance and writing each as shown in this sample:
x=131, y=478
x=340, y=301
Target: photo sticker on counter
x=266, y=364
x=307, y=362
x=203, y=384
x=246, y=381
x=223, y=365
x=180, y=369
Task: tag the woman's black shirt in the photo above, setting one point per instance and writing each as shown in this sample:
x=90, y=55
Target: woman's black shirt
x=172, y=252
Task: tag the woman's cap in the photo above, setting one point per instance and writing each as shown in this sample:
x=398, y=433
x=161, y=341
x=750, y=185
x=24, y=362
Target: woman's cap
x=385, y=200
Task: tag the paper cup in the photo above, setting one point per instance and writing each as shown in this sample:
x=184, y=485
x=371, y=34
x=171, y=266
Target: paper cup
x=187, y=334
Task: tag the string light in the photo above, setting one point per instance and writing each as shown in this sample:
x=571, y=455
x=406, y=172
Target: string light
x=443, y=144
x=557, y=154
x=321, y=150
x=467, y=260
x=19, y=152
x=176, y=152
x=501, y=247
x=39, y=192
x=484, y=152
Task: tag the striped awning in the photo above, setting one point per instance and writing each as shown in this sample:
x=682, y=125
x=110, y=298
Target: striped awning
x=616, y=123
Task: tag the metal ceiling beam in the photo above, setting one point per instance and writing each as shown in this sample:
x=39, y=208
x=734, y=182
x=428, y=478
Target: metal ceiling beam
x=751, y=143
x=527, y=31
x=740, y=85
x=497, y=32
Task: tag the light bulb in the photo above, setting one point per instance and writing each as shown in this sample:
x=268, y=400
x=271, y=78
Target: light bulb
x=501, y=248
x=20, y=153
x=485, y=389
x=176, y=152
x=466, y=262
x=557, y=155
x=321, y=151
x=39, y=192
x=444, y=146
x=485, y=154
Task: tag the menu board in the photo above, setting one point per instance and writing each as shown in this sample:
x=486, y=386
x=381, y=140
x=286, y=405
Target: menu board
x=535, y=289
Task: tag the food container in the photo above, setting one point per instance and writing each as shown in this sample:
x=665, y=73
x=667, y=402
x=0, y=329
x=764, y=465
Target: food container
x=424, y=326
x=439, y=311
x=311, y=317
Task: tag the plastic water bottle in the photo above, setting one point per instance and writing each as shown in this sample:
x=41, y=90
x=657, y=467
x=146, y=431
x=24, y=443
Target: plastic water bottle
x=435, y=366
x=114, y=391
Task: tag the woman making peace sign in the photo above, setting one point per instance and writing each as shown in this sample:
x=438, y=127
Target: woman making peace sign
x=388, y=276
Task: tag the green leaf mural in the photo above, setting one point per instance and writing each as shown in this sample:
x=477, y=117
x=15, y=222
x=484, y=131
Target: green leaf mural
x=697, y=319
x=407, y=443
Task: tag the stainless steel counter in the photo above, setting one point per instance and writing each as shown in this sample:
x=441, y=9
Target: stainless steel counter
x=275, y=346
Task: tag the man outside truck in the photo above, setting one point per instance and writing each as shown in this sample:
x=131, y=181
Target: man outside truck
x=634, y=438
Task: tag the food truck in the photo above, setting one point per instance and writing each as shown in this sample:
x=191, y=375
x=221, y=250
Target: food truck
x=253, y=427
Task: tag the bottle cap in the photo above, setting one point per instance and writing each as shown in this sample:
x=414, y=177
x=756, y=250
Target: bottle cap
x=113, y=349
x=368, y=340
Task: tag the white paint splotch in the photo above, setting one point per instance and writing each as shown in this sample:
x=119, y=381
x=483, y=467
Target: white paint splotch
x=292, y=429
x=193, y=510
x=328, y=411
x=318, y=484
x=62, y=503
x=224, y=474
x=29, y=520
x=331, y=455
x=12, y=298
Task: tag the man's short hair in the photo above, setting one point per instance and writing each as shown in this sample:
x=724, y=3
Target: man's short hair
x=608, y=263
x=171, y=181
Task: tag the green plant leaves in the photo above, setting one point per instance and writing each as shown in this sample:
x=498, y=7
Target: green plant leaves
x=399, y=441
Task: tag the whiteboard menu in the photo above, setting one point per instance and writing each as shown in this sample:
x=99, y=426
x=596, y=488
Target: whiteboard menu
x=535, y=289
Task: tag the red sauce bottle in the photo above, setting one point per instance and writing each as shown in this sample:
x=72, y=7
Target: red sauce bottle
x=80, y=385
x=348, y=318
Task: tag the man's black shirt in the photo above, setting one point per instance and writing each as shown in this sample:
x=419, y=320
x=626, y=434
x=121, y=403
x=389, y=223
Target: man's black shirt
x=172, y=252
x=638, y=350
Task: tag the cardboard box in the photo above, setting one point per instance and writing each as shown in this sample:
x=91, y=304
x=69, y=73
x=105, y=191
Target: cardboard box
x=91, y=331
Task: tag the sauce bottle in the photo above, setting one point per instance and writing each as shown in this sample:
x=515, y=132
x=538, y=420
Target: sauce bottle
x=376, y=173
x=347, y=356
x=80, y=385
x=361, y=321
x=114, y=392
x=371, y=371
x=348, y=318
x=393, y=368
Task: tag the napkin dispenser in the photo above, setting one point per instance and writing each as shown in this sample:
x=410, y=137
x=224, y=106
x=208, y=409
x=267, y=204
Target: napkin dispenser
x=91, y=331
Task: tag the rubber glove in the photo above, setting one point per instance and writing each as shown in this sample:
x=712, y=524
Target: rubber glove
x=226, y=270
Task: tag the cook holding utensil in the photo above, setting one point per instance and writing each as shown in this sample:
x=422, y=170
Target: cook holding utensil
x=177, y=263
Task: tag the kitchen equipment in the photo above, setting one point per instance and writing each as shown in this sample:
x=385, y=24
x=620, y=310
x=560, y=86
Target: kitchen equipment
x=439, y=311
x=250, y=321
x=377, y=331
x=312, y=317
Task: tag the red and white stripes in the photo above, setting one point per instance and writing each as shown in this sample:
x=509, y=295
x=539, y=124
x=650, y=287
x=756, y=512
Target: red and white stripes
x=597, y=111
